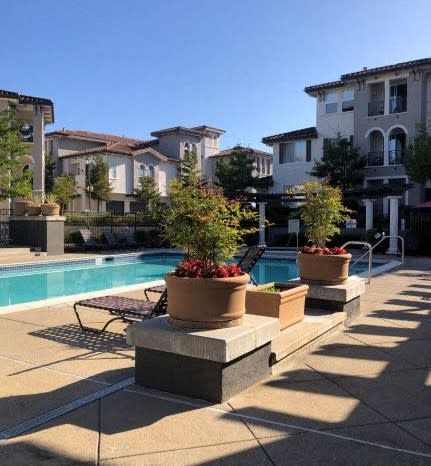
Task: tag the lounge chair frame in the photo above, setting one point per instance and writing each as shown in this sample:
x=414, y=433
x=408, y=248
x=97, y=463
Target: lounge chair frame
x=128, y=310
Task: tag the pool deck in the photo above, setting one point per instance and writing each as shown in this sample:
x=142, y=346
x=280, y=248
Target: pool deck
x=363, y=397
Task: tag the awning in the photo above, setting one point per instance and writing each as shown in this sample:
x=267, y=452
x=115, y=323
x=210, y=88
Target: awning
x=423, y=205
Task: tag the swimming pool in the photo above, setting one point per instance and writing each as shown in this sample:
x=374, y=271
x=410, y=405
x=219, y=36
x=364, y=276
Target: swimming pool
x=34, y=282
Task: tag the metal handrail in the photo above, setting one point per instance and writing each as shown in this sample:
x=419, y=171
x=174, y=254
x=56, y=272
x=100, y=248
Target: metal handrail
x=393, y=236
x=370, y=252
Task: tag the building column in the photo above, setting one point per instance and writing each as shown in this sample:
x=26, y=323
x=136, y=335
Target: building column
x=385, y=201
x=385, y=150
x=369, y=213
x=394, y=225
x=126, y=205
x=38, y=150
x=262, y=206
x=387, y=92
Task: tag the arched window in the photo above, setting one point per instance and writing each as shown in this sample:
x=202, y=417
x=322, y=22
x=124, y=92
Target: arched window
x=145, y=170
x=186, y=148
x=194, y=148
x=397, y=146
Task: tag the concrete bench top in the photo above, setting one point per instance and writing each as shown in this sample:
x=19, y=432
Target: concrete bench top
x=221, y=345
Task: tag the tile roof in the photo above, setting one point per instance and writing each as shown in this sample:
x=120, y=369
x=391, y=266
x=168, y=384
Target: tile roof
x=387, y=68
x=305, y=133
x=30, y=100
x=228, y=152
x=208, y=128
x=121, y=147
x=156, y=153
x=319, y=87
x=178, y=129
x=93, y=135
x=368, y=72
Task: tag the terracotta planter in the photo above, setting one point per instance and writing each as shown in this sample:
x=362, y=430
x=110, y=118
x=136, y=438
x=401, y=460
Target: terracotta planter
x=287, y=305
x=50, y=209
x=324, y=270
x=206, y=302
x=20, y=208
x=33, y=210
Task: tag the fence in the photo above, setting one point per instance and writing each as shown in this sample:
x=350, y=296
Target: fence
x=98, y=222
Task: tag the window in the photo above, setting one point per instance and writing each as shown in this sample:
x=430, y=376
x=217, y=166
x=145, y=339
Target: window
x=398, y=97
x=348, y=100
x=331, y=102
x=194, y=148
x=112, y=169
x=74, y=169
x=295, y=152
x=145, y=170
x=186, y=148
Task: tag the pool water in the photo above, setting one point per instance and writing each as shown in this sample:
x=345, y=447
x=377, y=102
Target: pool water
x=28, y=283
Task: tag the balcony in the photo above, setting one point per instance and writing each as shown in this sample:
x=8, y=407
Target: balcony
x=376, y=108
x=396, y=157
x=375, y=159
x=398, y=104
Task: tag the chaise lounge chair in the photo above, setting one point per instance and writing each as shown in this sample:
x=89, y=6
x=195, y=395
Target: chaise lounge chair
x=247, y=262
x=89, y=242
x=128, y=310
x=127, y=236
x=110, y=240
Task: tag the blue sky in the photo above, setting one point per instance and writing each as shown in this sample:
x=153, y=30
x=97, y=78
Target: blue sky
x=129, y=67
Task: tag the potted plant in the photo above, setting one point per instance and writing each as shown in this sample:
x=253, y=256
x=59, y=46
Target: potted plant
x=322, y=212
x=50, y=205
x=204, y=292
x=21, y=205
x=33, y=209
x=284, y=301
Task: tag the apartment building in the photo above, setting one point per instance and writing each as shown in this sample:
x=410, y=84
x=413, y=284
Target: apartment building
x=128, y=159
x=35, y=113
x=378, y=109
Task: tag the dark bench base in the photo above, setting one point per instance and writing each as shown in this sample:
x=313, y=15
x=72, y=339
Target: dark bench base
x=201, y=378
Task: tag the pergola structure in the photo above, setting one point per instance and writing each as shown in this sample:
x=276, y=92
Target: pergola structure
x=366, y=195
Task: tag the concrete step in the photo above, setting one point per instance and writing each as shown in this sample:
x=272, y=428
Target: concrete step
x=302, y=337
x=10, y=251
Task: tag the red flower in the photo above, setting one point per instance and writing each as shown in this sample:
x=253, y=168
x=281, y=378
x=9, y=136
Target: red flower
x=195, y=269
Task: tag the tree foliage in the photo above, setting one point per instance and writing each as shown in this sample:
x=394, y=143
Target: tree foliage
x=147, y=193
x=322, y=212
x=236, y=174
x=204, y=223
x=418, y=157
x=341, y=164
x=188, y=171
x=49, y=173
x=98, y=178
x=14, y=181
x=64, y=189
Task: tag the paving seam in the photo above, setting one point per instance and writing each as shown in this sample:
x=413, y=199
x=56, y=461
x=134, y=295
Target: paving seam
x=253, y=434
x=64, y=409
x=374, y=409
x=41, y=366
x=281, y=424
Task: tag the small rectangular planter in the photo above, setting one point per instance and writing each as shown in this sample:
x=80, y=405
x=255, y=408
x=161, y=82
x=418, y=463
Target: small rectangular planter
x=286, y=305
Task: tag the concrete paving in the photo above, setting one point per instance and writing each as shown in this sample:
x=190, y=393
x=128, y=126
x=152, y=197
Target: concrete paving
x=362, y=397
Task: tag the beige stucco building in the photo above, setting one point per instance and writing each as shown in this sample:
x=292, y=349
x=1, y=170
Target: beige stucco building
x=35, y=113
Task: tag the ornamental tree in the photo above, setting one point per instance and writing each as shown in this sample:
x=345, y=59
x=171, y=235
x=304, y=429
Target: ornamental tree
x=14, y=180
x=418, y=157
x=236, y=174
x=64, y=189
x=322, y=212
x=341, y=164
x=204, y=223
x=98, y=178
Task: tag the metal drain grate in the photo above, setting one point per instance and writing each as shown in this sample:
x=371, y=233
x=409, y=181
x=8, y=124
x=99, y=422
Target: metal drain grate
x=61, y=410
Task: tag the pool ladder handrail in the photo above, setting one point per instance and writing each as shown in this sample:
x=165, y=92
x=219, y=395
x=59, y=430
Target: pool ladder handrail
x=371, y=248
x=369, y=251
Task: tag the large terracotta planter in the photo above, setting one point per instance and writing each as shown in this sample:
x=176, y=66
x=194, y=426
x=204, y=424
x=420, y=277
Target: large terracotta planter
x=324, y=270
x=33, y=210
x=206, y=302
x=50, y=209
x=20, y=207
x=287, y=305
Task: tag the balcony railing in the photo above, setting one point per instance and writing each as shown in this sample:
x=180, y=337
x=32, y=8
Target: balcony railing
x=376, y=108
x=396, y=157
x=398, y=104
x=375, y=158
